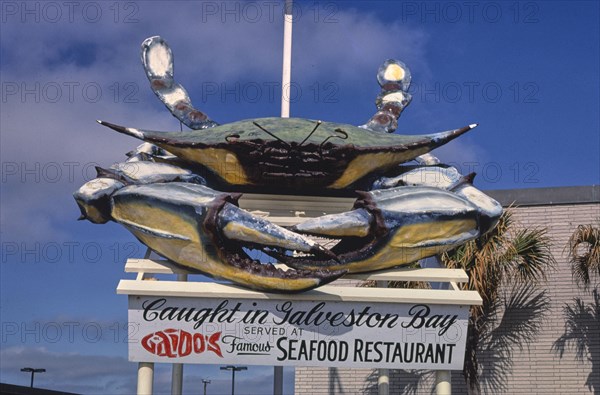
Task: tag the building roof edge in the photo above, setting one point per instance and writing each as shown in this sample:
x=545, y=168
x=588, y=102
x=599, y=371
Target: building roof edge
x=547, y=196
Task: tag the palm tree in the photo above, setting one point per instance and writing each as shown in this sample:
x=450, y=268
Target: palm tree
x=507, y=268
x=584, y=254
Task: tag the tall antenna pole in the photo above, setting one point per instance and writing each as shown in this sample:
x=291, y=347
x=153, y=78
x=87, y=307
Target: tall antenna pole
x=287, y=60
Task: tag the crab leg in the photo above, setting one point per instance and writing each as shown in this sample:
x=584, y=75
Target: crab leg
x=447, y=178
x=183, y=222
x=433, y=176
x=157, y=60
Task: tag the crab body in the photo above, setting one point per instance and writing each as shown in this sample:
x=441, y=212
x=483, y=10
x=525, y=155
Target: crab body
x=292, y=153
x=166, y=195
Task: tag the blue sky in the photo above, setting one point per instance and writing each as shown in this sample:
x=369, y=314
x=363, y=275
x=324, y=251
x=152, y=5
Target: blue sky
x=527, y=72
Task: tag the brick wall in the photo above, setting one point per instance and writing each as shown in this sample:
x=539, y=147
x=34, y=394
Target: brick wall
x=536, y=370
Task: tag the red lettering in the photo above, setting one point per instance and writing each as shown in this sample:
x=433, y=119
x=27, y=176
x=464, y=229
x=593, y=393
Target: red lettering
x=213, y=344
x=185, y=344
x=163, y=346
x=173, y=335
x=157, y=343
x=199, y=343
x=173, y=343
x=148, y=345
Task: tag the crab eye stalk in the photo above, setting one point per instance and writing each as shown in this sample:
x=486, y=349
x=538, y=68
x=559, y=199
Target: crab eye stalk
x=394, y=75
x=394, y=78
x=157, y=59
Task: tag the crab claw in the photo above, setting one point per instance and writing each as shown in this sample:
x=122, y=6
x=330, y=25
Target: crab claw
x=489, y=209
x=93, y=199
x=202, y=230
x=404, y=225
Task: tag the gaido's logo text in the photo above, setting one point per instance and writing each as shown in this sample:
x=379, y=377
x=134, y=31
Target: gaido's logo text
x=174, y=343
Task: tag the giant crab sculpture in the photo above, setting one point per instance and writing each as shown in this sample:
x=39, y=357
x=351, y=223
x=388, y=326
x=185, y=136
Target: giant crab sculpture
x=403, y=212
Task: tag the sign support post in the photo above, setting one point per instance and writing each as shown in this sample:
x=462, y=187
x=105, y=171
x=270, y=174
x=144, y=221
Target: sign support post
x=177, y=372
x=383, y=381
x=145, y=369
x=442, y=382
x=145, y=378
x=177, y=379
x=443, y=378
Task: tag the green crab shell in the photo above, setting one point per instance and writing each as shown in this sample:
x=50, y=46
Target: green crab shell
x=292, y=152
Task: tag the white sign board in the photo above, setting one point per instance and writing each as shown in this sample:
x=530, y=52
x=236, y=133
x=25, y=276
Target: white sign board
x=297, y=333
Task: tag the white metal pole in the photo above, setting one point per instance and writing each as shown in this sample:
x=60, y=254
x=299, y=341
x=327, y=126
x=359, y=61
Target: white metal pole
x=177, y=371
x=383, y=381
x=145, y=378
x=286, y=78
x=287, y=60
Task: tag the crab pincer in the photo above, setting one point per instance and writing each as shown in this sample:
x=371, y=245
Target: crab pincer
x=203, y=230
x=393, y=227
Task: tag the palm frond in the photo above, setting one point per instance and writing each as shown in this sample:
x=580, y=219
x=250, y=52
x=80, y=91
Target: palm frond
x=529, y=256
x=584, y=253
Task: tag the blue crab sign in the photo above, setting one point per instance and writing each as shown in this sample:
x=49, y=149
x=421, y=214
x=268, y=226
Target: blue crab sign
x=178, y=191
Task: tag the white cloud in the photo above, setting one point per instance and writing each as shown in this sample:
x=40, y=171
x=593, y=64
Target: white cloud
x=58, y=70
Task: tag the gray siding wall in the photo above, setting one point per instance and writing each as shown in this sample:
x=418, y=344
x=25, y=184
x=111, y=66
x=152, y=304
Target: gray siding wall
x=536, y=369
